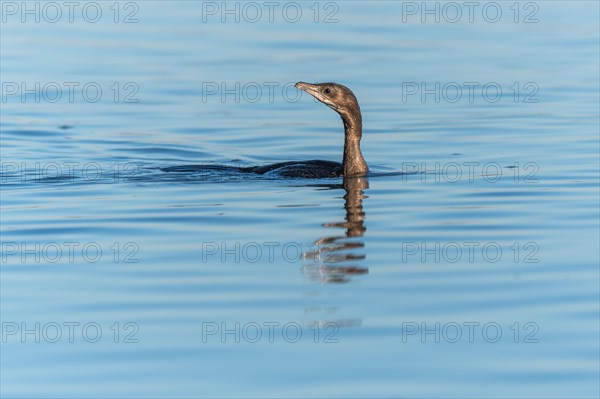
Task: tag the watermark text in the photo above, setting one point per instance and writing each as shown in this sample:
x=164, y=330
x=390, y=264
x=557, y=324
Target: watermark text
x=69, y=92
x=69, y=332
x=469, y=332
x=269, y=332
x=53, y=12
x=68, y=252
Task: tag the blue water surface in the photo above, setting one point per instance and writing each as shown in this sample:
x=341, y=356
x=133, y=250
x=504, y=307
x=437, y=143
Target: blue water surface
x=465, y=265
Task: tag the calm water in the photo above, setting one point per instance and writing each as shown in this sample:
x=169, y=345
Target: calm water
x=466, y=265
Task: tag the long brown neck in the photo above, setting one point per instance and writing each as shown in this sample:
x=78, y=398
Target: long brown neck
x=354, y=164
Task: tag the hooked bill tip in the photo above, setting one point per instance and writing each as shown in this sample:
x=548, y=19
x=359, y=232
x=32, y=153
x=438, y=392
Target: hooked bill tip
x=302, y=85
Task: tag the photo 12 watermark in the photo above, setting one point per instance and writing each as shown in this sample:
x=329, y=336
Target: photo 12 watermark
x=452, y=332
x=55, y=12
x=86, y=172
x=470, y=172
x=71, y=252
x=468, y=252
x=53, y=332
x=453, y=12
x=269, y=332
x=471, y=92
x=69, y=92
x=252, y=12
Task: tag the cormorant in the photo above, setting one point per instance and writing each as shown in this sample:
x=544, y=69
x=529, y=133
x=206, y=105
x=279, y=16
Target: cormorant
x=337, y=97
x=341, y=99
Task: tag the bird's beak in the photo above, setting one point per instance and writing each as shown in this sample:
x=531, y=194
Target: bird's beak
x=310, y=89
x=313, y=91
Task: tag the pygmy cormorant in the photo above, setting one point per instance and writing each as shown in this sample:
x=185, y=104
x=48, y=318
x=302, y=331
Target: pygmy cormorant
x=341, y=100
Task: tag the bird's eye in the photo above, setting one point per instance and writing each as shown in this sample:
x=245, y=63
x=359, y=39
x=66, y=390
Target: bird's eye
x=327, y=90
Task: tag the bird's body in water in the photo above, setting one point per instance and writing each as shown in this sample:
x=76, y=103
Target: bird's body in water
x=309, y=169
x=341, y=100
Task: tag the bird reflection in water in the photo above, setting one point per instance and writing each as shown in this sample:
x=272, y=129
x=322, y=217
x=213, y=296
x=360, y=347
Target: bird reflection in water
x=333, y=259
